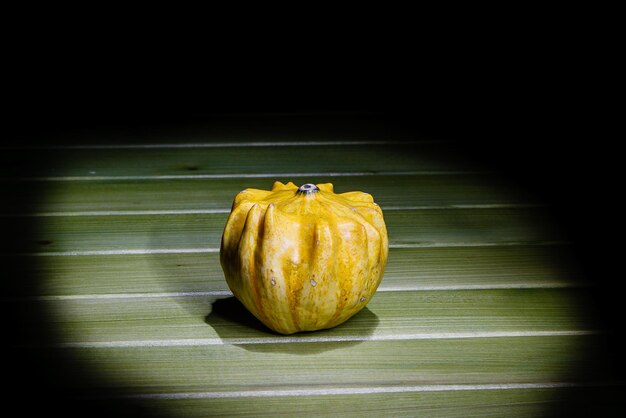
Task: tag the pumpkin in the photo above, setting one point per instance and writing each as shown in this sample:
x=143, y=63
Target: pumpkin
x=303, y=258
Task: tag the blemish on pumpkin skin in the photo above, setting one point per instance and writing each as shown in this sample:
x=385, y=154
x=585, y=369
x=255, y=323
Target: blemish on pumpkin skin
x=362, y=299
x=273, y=282
x=313, y=282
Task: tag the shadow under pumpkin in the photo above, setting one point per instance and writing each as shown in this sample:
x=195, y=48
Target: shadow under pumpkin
x=231, y=321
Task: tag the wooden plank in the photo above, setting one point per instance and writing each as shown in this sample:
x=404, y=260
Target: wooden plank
x=234, y=129
x=339, y=364
x=390, y=315
x=530, y=266
x=530, y=403
x=438, y=227
x=221, y=159
x=218, y=194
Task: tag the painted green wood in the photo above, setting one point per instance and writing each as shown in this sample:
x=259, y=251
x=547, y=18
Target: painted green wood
x=427, y=156
x=410, y=313
x=395, y=341
x=405, y=227
x=211, y=194
x=528, y=403
x=234, y=129
x=340, y=364
x=406, y=268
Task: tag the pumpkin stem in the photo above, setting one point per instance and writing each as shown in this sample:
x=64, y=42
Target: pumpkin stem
x=308, y=188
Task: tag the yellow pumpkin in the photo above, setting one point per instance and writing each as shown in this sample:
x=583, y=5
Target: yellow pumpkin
x=304, y=258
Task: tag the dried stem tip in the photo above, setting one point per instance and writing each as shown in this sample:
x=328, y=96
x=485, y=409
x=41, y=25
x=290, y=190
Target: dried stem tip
x=308, y=188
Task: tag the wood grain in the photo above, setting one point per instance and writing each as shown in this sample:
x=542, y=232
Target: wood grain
x=443, y=189
x=407, y=268
x=481, y=289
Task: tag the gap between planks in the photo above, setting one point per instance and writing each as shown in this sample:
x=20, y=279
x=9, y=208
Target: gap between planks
x=241, y=175
x=227, y=293
x=199, y=145
x=208, y=250
x=226, y=210
x=281, y=339
x=338, y=391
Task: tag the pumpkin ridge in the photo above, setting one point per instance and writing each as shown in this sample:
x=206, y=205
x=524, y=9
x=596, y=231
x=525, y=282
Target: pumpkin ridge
x=252, y=297
x=341, y=296
x=258, y=258
x=277, y=255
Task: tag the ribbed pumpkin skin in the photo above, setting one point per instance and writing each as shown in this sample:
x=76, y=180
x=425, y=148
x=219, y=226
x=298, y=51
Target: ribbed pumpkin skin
x=304, y=261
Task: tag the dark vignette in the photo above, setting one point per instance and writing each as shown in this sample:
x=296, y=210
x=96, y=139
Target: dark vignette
x=533, y=128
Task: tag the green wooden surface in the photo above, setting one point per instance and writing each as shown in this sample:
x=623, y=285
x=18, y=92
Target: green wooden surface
x=419, y=190
x=481, y=312
x=410, y=313
x=531, y=403
x=228, y=160
x=408, y=268
x=335, y=365
x=188, y=231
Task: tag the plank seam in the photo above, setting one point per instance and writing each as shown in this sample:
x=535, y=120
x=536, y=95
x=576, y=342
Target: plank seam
x=358, y=390
x=227, y=210
x=195, y=145
x=226, y=293
x=203, y=250
x=202, y=342
x=238, y=175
